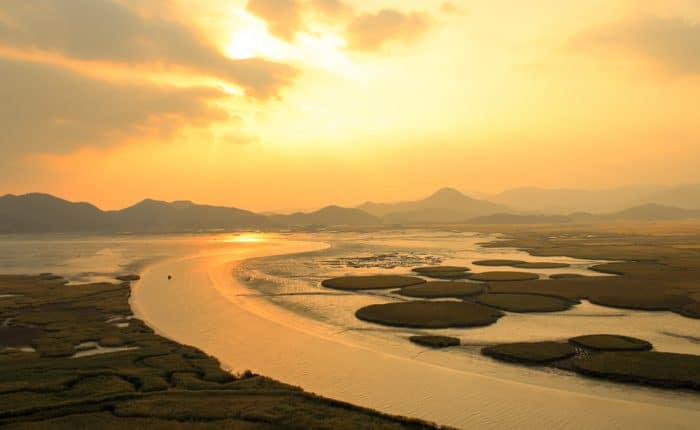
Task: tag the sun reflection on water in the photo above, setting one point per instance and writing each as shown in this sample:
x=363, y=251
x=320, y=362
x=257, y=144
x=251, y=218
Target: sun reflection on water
x=246, y=238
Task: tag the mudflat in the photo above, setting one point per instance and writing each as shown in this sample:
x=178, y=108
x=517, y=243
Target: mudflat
x=80, y=360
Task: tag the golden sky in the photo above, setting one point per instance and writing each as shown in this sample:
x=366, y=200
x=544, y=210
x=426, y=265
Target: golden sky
x=277, y=104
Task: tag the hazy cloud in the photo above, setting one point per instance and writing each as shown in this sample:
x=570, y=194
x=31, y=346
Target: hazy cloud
x=49, y=109
x=372, y=31
x=283, y=17
x=451, y=8
x=331, y=8
x=364, y=31
x=672, y=43
x=106, y=30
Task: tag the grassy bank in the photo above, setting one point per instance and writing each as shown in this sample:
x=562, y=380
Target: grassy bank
x=71, y=357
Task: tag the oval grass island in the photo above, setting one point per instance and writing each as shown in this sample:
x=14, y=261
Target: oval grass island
x=611, y=342
x=523, y=303
x=606, y=356
x=530, y=352
x=437, y=290
x=435, y=341
x=503, y=276
x=371, y=282
x=497, y=263
x=426, y=314
x=521, y=264
x=443, y=272
x=661, y=369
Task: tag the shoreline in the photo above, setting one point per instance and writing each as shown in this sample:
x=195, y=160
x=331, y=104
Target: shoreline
x=148, y=382
x=293, y=332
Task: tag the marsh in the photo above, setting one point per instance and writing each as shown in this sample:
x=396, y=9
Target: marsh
x=261, y=305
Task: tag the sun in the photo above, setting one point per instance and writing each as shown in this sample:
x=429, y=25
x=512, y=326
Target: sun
x=318, y=48
x=249, y=38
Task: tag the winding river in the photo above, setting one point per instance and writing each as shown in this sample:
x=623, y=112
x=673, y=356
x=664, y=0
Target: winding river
x=205, y=305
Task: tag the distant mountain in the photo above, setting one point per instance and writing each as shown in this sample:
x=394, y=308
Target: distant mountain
x=159, y=216
x=506, y=218
x=652, y=212
x=647, y=212
x=444, y=206
x=330, y=215
x=43, y=213
x=684, y=196
x=561, y=201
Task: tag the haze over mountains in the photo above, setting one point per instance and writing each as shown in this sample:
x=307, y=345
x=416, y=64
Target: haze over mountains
x=598, y=201
x=447, y=205
x=43, y=213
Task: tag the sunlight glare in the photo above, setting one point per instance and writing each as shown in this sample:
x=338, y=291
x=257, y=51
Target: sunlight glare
x=247, y=238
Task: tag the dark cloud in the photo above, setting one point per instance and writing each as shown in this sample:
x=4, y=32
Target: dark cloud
x=106, y=30
x=49, y=109
x=672, y=43
x=283, y=17
x=372, y=31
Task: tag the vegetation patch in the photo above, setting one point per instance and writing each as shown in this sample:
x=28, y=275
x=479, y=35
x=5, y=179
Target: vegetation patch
x=630, y=268
x=427, y=314
x=372, y=282
x=566, y=276
x=644, y=300
x=497, y=263
x=435, y=341
x=443, y=272
x=434, y=290
x=540, y=265
x=14, y=337
x=156, y=384
x=610, y=291
x=691, y=310
x=525, y=302
x=662, y=369
x=611, y=342
x=530, y=352
x=503, y=276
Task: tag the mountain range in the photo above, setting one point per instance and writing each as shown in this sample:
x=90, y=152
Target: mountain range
x=563, y=201
x=43, y=213
x=446, y=205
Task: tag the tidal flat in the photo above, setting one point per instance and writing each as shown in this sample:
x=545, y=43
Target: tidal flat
x=47, y=380
x=299, y=332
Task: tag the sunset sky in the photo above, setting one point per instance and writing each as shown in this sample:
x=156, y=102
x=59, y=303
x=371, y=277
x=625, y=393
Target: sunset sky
x=282, y=104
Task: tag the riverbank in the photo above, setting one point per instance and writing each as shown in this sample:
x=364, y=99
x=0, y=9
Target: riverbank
x=71, y=356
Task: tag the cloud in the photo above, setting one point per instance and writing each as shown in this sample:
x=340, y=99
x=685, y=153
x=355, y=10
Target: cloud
x=451, y=8
x=283, y=17
x=672, y=43
x=372, y=31
x=105, y=30
x=331, y=8
x=364, y=31
x=49, y=109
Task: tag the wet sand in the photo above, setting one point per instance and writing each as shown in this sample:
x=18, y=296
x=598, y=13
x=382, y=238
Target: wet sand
x=203, y=305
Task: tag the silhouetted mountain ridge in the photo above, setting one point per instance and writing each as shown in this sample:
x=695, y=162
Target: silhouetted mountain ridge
x=446, y=205
x=329, y=215
x=39, y=212
x=43, y=213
